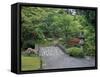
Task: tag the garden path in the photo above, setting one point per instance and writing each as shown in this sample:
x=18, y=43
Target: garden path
x=53, y=57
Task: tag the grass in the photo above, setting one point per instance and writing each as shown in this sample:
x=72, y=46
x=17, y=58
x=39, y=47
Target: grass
x=30, y=63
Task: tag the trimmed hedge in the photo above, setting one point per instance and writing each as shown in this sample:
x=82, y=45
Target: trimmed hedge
x=75, y=52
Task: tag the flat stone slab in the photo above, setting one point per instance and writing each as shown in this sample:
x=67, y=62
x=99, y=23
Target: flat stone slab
x=54, y=58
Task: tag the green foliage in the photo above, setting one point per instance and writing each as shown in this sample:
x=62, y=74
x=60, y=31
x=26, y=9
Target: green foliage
x=75, y=52
x=39, y=24
x=89, y=16
x=89, y=47
x=29, y=54
x=28, y=44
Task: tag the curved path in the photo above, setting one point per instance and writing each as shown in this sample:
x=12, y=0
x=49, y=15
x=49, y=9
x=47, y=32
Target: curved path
x=53, y=58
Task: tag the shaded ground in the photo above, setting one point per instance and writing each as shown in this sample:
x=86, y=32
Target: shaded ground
x=53, y=57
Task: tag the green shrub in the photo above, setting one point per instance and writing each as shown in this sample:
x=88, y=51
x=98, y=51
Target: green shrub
x=75, y=52
x=28, y=44
x=89, y=50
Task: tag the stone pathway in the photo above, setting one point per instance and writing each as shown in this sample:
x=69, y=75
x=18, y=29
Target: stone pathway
x=53, y=58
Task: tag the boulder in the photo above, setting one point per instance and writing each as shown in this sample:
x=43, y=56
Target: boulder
x=31, y=51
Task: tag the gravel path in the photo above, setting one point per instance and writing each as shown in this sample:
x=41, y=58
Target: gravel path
x=54, y=58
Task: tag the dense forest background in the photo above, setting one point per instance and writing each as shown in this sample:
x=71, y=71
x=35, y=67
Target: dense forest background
x=40, y=25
